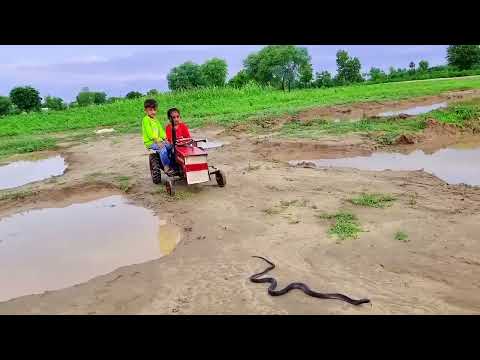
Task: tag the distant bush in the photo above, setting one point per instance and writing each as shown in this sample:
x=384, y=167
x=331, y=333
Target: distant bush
x=26, y=98
x=5, y=105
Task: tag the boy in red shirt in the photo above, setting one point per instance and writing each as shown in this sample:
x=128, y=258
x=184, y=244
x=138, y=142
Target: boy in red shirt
x=181, y=130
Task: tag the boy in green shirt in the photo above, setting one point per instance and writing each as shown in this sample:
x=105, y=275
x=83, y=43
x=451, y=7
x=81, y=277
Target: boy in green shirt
x=154, y=136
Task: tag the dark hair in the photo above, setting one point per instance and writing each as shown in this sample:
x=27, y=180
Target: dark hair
x=150, y=103
x=172, y=110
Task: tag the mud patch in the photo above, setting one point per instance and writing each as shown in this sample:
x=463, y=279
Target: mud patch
x=53, y=248
x=19, y=173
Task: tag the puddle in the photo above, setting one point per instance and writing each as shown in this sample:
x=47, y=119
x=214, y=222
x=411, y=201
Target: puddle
x=19, y=173
x=456, y=164
x=50, y=249
x=417, y=110
x=209, y=144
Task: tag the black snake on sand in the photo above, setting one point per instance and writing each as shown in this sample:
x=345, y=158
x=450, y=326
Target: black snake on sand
x=273, y=284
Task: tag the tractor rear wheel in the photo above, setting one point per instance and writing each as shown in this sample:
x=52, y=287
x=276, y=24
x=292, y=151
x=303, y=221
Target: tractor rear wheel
x=221, y=179
x=155, y=168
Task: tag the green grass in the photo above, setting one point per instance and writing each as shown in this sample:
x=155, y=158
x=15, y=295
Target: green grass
x=124, y=183
x=401, y=236
x=346, y=225
x=386, y=130
x=222, y=106
x=17, y=195
x=19, y=145
x=373, y=200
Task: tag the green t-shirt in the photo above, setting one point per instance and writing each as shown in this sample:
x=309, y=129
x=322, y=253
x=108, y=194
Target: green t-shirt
x=152, y=129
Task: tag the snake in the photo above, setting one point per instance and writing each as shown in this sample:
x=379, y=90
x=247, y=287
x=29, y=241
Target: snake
x=300, y=286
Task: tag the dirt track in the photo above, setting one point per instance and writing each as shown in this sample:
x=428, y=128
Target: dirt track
x=438, y=271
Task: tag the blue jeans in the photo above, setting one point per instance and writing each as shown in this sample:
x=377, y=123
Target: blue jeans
x=164, y=153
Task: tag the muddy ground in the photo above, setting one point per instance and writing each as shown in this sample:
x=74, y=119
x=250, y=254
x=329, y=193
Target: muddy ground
x=436, y=272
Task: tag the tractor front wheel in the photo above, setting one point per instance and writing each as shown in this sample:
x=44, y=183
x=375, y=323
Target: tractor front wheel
x=221, y=179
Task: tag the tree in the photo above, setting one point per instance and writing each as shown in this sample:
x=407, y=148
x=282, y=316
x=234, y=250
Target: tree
x=423, y=66
x=411, y=66
x=185, y=76
x=152, y=92
x=26, y=98
x=54, y=103
x=85, y=98
x=5, y=105
x=306, y=75
x=214, y=72
x=134, y=95
x=323, y=79
x=99, y=98
x=348, y=69
x=277, y=65
x=240, y=79
x=463, y=57
x=377, y=75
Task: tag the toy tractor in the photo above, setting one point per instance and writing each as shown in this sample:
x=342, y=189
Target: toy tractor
x=190, y=164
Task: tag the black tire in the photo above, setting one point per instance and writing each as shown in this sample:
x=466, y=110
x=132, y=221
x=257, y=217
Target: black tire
x=155, y=168
x=170, y=187
x=221, y=179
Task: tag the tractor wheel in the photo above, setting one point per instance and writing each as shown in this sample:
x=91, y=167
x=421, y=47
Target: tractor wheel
x=221, y=179
x=155, y=168
x=170, y=187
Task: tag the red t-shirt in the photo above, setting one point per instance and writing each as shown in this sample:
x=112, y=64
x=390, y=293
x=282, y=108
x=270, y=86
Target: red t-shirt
x=181, y=132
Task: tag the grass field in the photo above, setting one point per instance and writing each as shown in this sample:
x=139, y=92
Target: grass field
x=223, y=106
x=465, y=114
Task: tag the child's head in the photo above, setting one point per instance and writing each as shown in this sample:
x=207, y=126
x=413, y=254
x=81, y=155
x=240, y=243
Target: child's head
x=174, y=114
x=150, y=106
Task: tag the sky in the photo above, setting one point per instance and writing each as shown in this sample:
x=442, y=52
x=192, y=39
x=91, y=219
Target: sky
x=63, y=70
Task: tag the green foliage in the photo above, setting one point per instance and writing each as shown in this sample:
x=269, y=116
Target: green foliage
x=133, y=95
x=423, y=66
x=240, y=79
x=99, y=98
x=348, y=69
x=9, y=146
x=5, y=105
x=323, y=79
x=214, y=72
x=463, y=57
x=377, y=75
x=26, y=98
x=277, y=65
x=54, y=103
x=346, y=225
x=113, y=99
x=306, y=75
x=401, y=236
x=152, y=92
x=86, y=98
x=373, y=200
x=185, y=76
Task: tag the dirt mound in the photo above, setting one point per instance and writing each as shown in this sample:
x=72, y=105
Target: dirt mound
x=405, y=139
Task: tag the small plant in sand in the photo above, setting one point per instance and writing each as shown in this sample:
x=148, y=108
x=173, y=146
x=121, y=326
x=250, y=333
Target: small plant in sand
x=401, y=236
x=124, y=183
x=346, y=225
x=373, y=200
